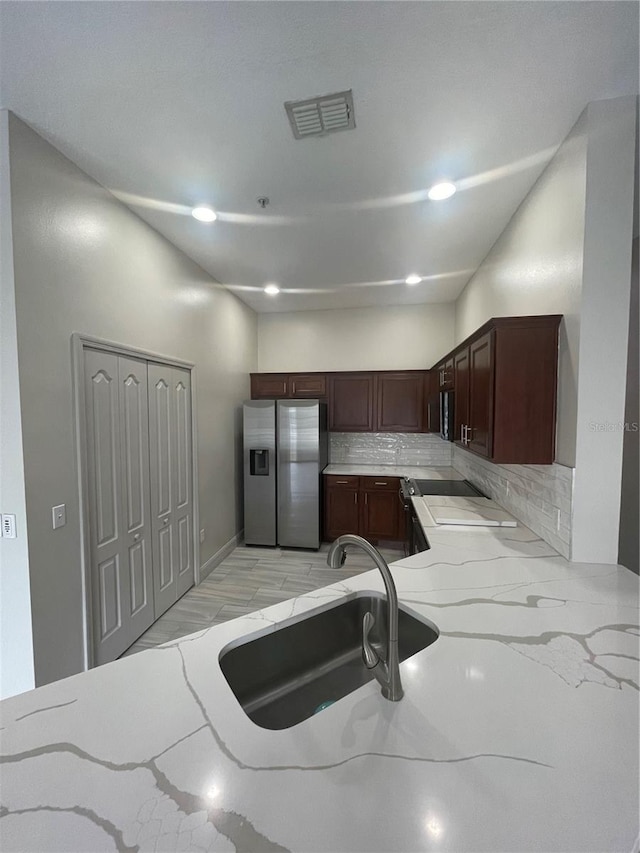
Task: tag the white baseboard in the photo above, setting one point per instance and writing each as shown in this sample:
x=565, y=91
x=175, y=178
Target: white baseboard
x=218, y=557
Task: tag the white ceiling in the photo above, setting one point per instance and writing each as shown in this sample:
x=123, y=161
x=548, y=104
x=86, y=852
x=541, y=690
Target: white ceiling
x=171, y=104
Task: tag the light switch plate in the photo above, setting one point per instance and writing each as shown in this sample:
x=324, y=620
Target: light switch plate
x=59, y=516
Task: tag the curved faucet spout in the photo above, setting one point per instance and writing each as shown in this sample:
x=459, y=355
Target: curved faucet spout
x=387, y=672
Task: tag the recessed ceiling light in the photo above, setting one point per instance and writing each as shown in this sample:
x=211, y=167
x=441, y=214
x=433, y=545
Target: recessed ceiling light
x=272, y=289
x=443, y=190
x=204, y=214
x=413, y=279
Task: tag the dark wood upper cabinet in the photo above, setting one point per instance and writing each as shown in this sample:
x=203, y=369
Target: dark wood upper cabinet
x=479, y=437
x=461, y=384
x=269, y=386
x=276, y=386
x=400, y=401
x=308, y=385
x=351, y=402
x=432, y=401
x=445, y=370
x=525, y=389
x=505, y=377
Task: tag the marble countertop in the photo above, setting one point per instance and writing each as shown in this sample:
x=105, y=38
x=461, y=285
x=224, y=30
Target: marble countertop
x=518, y=730
x=417, y=472
x=477, y=512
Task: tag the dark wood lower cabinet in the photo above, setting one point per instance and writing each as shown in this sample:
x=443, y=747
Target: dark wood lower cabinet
x=379, y=515
x=341, y=511
x=367, y=506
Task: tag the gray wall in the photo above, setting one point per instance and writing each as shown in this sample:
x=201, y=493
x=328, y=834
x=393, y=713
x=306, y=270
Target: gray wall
x=535, y=267
x=393, y=337
x=604, y=329
x=629, y=542
x=85, y=263
x=567, y=250
x=16, y=647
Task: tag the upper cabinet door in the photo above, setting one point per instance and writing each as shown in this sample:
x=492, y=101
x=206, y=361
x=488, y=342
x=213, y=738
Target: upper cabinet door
x=400, y=402
x=351, y=402
x=269, y=386
x=307, y=385
x=461, y=407
x=481, y=395
x=445, y=374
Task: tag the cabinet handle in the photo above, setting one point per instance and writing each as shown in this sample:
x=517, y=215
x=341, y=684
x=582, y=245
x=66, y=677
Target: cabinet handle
x=468, y=432
x=293, y=387
x=365, y=498
x=462, y=429
x=342, y=482
x=380, y=483
x=355, y=497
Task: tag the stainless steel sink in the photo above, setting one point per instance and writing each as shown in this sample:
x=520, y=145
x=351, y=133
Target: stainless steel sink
x=285, y=677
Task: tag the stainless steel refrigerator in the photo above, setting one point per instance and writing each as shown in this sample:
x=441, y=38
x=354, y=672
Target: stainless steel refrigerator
x=285, y=451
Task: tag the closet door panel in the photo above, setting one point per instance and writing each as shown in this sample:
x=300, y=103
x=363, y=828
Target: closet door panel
x=171, y=482
x=134, y=432
x=140, y=582
x=163, y=486
x=110, y=618
x=184, y=487
x=110, y=599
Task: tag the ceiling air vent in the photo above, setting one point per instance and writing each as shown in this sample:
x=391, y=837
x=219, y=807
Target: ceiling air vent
x=320, y=116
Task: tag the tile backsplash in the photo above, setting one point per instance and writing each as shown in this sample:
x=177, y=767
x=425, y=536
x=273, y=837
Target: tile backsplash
x=388, y=448
x=538, y=495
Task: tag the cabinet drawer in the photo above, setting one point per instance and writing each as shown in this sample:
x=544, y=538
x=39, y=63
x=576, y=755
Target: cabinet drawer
x=335, y=481
x=312, y=385
x=381, y=484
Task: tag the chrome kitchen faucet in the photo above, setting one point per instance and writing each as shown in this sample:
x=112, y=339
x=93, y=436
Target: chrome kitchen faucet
x=387, y=672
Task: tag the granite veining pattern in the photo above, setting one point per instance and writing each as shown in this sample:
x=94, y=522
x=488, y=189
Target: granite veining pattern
x=518, y=729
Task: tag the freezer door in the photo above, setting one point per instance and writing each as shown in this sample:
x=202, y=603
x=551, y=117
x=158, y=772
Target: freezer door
x=299, y=457
x=259, y=442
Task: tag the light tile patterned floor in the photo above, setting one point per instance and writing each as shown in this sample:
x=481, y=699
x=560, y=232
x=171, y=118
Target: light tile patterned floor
x=249, y=579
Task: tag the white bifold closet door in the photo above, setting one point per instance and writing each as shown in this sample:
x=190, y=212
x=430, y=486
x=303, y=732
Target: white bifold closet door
x=119, y=501
x=138, y=427
x=171, y=483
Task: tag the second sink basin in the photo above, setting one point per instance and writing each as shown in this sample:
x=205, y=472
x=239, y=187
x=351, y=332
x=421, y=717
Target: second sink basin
x=283, y=678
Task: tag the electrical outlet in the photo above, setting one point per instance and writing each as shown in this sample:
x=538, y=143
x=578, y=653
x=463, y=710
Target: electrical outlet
x=202, y=536
x=9, y=526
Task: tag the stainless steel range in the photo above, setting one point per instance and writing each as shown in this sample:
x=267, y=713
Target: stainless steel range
x=416, y=540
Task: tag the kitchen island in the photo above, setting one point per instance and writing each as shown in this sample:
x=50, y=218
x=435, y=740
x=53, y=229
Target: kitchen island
x=518, y=730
